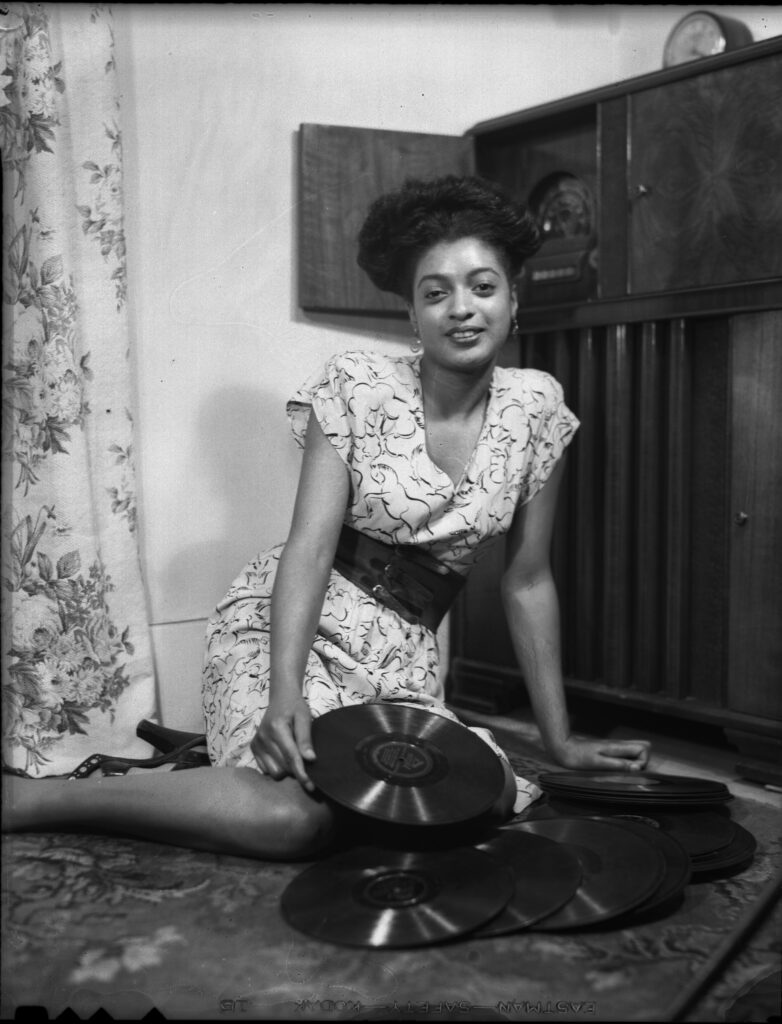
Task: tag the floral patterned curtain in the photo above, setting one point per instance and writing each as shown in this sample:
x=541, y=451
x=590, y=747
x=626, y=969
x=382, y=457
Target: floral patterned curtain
x=77, y=667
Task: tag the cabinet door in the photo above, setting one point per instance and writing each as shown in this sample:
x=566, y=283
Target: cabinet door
x=341, y=170
x=705, y=170
x=755, y=640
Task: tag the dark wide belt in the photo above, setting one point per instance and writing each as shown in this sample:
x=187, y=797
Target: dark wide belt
x=402, y=577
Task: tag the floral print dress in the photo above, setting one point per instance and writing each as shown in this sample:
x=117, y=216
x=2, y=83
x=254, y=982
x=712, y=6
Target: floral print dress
x=370, y=407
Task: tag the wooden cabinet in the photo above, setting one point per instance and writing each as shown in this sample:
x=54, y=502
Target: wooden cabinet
x=657, y=305
x=754, y=671
x=705, y=177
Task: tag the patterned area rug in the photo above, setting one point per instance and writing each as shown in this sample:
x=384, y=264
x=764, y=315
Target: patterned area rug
x=93, y=923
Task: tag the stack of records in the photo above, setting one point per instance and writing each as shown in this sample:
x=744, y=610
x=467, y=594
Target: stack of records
x=623, y=870
x=635, y=788
x=683, y=808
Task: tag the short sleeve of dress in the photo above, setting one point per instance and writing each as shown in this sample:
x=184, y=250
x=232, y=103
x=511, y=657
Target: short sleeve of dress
x=327, y=395
x=552, y=426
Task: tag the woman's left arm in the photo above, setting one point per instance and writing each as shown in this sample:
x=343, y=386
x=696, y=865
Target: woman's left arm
x=532, y=610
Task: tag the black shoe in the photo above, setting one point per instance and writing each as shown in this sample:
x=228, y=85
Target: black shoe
x=163, y=739
x=180, y=757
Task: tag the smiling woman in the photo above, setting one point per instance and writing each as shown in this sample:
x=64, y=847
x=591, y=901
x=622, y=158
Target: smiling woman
x=412, y=466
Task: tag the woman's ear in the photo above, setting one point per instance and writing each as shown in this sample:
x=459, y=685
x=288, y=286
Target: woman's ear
x=412, y=317
x=514, y=300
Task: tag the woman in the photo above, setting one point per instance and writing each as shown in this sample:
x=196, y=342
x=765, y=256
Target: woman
x=423, y=459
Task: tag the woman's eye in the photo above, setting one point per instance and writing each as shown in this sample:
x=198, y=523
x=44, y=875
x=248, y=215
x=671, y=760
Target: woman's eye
x=484, y=287
x=434, y=293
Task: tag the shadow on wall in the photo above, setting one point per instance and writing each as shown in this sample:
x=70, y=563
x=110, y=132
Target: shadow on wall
x=249, y=472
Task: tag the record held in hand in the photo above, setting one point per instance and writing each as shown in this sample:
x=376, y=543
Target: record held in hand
x=634, y=787
x=620, y=870
x=547, y=875
x=404, y=765
x=390, y=898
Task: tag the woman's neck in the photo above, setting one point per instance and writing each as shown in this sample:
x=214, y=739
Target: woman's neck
x=451, y=394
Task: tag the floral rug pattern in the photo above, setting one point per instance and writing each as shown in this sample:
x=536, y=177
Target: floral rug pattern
x=126, y=926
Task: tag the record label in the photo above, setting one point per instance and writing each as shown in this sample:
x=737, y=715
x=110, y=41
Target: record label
x=395, y=889
x=399, y=759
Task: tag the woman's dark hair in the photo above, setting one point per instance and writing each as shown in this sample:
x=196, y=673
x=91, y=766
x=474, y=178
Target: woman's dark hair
x=402, y=225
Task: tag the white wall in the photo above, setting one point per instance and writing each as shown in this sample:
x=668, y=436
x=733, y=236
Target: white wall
x=212, y=98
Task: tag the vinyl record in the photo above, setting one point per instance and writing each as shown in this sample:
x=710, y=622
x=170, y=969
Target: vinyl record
x=677, y=865
x=620, y=870
x=737, y=853
x=547, y=875
x=698, y=831
x=376, y=898
x=634, y=787
x=404, y=765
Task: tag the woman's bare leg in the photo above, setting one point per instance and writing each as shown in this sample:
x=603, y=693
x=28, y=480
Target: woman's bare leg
x=225, y=810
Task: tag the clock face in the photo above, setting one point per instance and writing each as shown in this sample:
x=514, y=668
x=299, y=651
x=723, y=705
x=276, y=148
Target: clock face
x=696, y=35
x=563, y=207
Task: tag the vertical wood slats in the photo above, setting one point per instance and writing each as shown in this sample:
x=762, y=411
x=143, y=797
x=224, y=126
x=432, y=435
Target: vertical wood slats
x=646, y=565
x=676, y=515
x=622, y=547
x=618, y=509
x=585, y=472
x=559, y=356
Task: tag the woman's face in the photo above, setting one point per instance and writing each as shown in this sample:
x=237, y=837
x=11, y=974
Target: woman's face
x=462, y=304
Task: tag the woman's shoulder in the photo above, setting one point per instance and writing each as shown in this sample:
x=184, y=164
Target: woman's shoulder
x=529, y=383
x=363, y=366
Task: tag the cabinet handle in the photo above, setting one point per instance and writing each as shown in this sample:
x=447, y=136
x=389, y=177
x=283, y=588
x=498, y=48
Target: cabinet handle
x=741, y=519
x=641, y=191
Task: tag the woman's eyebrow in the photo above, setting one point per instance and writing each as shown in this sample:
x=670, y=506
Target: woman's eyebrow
x=445, y=277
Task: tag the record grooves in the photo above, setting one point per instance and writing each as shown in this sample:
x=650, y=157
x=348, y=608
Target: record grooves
x=620, y=869
x=546, y=875
x=699, y=832
x=678, y=870
x=373, y=897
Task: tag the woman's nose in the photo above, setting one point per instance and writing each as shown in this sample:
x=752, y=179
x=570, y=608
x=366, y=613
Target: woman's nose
x=461, y=304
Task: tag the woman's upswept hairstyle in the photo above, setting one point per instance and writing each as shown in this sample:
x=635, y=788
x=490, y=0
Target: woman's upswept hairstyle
x=402, y=225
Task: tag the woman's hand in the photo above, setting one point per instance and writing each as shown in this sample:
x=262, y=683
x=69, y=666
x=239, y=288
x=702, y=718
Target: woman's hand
x=283, y=743
x=603, y=755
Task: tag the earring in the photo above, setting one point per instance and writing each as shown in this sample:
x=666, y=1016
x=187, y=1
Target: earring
x=515, y=333
x=416, y=344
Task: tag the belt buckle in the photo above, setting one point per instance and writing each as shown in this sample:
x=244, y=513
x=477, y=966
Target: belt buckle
x=384, y=595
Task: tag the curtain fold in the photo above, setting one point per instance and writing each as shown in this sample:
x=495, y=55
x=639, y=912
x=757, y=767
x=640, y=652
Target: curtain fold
x=77, y=664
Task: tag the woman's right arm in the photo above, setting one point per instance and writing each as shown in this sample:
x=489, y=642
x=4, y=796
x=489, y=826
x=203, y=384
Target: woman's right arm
x=282, y=743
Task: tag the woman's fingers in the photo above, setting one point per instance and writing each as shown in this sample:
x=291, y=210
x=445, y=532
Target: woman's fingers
x=302, y=730
x=269, y=760
x=605, y=755
x=627, y=754
x=301, y=747
x=280, y=747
